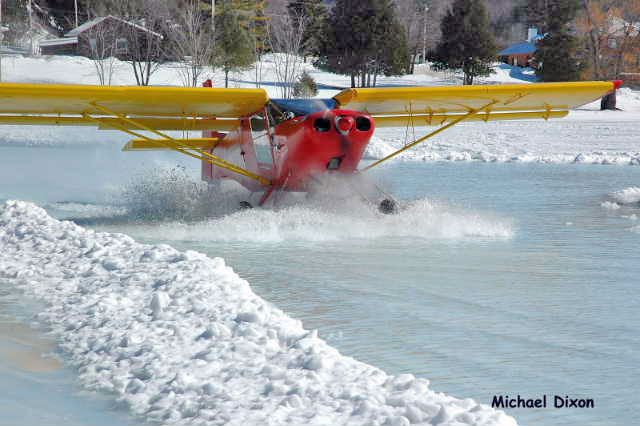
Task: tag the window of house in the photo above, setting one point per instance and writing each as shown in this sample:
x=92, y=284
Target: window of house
x=93, y=43
x=122, y=45
x=613, y=43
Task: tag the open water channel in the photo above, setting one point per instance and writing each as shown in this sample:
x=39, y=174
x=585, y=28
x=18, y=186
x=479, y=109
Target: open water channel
x=496, y=279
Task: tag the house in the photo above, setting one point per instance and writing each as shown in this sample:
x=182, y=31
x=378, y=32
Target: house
x=101, y=38
x=521, y=54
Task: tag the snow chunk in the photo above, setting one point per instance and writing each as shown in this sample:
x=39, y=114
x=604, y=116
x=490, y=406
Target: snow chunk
x=610, y=206
x=627, y=196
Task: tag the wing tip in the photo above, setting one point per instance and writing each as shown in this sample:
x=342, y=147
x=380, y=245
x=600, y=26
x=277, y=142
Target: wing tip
x=617, y=84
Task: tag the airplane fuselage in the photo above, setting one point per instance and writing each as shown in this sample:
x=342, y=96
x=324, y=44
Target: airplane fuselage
x=295, y=152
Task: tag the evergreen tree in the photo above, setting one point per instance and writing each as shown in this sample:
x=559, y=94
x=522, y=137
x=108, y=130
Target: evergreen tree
x=315, y=14
x=249, y=13
x=556, y=57
x=549, y=15
x=364, y=40
x=467, y=43
x=233, y=44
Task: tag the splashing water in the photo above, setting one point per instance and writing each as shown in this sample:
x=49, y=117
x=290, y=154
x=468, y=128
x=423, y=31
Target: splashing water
x=422, y=219
x=169, y=195
x=171, y=205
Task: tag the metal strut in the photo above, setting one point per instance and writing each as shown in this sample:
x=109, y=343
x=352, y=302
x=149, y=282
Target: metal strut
x=471, y=113
x=171, y=143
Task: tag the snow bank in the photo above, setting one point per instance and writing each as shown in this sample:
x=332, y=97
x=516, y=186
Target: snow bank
x=627, y=196
x=600, y=140
x=181, y=339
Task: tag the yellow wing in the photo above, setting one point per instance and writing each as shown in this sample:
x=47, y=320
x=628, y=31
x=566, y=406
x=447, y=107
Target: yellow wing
x=138, y=109
x=164, y=108
x=437, y=105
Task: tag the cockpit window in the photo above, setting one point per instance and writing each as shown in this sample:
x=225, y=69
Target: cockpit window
x=285, y=109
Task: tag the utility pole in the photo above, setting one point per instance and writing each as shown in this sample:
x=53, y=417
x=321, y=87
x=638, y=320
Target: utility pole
x=75, y=3
x=1, y=38
x=30, y=30
x=424, y=34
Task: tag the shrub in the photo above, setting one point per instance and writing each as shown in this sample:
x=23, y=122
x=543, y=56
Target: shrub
x=305, y=87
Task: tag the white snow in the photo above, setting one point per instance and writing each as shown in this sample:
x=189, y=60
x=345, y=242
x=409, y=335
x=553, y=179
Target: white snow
x=610, y=206
x=181, y=339
x=627, y=196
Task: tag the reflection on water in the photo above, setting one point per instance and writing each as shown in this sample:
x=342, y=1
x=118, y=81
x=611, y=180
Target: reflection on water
x=35, y=389
x=24, y=349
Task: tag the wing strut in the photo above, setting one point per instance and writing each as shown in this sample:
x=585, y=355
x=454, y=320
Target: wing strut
x=471, y=113
x=171, y=143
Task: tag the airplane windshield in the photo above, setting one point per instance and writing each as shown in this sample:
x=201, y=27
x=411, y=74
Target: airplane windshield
x=283, y=109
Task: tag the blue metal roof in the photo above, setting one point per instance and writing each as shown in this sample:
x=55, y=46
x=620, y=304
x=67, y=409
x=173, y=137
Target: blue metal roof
x=519, y=49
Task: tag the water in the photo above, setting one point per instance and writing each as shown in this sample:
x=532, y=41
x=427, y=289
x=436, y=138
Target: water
x=35, y=388
x=499, y=279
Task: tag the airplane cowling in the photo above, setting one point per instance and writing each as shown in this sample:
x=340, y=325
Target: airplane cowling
x=325, y=142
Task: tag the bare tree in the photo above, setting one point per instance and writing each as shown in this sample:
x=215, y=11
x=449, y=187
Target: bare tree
x=612, y=36
x=257, y=53
x=413, y=16
x=285, y=40
x=136, y=33
x=102, y=44
x=103, y=52
x=191, y=43
x=145, y=38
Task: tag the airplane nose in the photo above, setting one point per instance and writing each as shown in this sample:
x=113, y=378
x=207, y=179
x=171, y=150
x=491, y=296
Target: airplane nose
x=345, y=124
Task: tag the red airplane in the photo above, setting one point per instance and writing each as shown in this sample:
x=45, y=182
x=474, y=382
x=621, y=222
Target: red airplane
x=273, y=145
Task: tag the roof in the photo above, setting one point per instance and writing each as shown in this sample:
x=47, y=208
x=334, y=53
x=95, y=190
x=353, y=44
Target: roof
x=90, y=24
x=58, y=41
x=520, y=49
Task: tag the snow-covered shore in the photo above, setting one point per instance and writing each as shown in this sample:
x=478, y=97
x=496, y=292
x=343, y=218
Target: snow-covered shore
x=181, y=339
x=586, y=136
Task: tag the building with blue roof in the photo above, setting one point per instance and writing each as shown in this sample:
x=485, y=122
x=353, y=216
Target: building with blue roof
x=521, y=54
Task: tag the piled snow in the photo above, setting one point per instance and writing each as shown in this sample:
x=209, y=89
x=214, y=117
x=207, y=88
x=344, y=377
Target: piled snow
x=627, y=196
x=610, y=206
x=181, y=339
x=378, y=149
